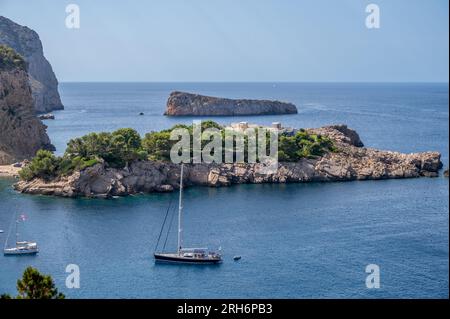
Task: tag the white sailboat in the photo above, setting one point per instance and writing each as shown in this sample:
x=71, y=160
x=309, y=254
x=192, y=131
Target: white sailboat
x=187, y=255
x=22, y=247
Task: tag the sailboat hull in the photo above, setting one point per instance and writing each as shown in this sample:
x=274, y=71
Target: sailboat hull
x=175, y=258
x=22, y=248
x=14, y=251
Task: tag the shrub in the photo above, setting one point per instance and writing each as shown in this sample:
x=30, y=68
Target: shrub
x=303, y=145
x=10, y=59
x=158, y=145
x=47, y=166
x=117, y=149
x=69, y=165
x=43, y=165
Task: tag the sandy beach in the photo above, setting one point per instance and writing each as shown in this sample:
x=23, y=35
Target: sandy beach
x=9, y=171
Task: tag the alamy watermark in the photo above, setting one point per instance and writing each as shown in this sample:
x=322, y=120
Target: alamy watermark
x=238, y=144
x=373, y=279
x=73, y=279
x=73, y=16
x=72, y=20
x=373, y=19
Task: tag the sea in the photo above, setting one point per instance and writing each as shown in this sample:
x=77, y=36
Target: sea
x=317, y=240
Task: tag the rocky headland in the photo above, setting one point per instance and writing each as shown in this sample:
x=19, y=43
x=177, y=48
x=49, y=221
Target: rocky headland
x=26, y=42
x=188, y=104
x=351, y=161
x=22, y=134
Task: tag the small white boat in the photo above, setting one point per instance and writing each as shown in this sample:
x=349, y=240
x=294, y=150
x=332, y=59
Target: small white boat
x=1, y=231
x=22, y=247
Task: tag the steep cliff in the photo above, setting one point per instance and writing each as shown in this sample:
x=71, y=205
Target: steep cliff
x=185, y=104
x=350, y=162
x=21, y=133
x=43, y=82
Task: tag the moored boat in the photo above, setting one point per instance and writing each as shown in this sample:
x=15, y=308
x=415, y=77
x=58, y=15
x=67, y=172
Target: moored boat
x=21, y=247
x=186, y=255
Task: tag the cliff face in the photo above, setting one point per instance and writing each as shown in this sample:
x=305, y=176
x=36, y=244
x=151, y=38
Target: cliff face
x=43, y=82
x=21, y=133
x=350, y=162
x=185, y=104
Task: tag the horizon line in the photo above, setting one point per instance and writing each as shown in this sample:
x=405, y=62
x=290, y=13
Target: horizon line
x=269, y=82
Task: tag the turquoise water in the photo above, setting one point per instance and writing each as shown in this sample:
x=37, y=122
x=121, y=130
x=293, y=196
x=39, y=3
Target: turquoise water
x=297, y=241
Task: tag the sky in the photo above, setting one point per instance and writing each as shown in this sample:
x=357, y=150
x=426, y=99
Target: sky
x=241, y=40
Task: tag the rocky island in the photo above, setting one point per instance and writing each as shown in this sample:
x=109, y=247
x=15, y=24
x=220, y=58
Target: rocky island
x=26, y=42
x=327, y=154
x=188, y=104
x=22, y=134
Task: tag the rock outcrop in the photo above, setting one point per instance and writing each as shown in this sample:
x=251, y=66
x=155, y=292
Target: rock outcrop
x=22, y=134
x=350, y=162
x=187, y=104
x=43, y=82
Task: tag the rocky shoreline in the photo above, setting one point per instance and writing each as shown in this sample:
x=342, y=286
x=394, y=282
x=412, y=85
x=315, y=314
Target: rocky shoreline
x=351, y=161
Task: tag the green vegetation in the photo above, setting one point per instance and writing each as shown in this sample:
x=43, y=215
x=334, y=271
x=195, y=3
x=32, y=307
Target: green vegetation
x=46, y=165
x=121, y=147
x=158, y=144
x=291, y=148
x=303, y=145
x=10, y=59
x=34, y=285
x=116, y=149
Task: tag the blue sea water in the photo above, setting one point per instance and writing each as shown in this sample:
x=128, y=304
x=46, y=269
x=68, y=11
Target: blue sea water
x=296, y=241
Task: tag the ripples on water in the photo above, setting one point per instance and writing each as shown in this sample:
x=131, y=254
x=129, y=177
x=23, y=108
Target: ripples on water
x=311, y=240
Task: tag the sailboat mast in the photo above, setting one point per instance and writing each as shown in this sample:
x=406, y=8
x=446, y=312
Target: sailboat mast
x=180, y=209
x=17, y=229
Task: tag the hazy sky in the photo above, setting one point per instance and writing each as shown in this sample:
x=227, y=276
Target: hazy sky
x=240, y=40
